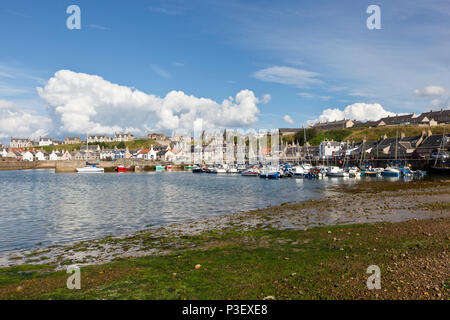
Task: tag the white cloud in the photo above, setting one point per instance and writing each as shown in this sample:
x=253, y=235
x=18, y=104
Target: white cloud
x=305, y=95
x=431, y=91
x=85, y=103
x=21, y=123
x=357, y=111
x=266, y=98
x=310, y=96
x=288, y=119
x=99, y=27
x=288, y=75
x=160, y=71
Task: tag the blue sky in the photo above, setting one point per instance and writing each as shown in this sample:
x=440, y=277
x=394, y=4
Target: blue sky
x=309, y=56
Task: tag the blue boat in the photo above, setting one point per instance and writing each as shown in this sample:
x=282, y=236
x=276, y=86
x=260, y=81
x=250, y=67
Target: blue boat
x=269, y=173
x=391, y=172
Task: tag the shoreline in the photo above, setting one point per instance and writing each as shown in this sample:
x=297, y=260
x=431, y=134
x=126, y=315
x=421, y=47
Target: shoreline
x=291, y=251
x=341, y=208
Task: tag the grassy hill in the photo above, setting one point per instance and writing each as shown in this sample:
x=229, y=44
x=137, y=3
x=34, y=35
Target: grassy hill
x=136, y=144
x=358, y=134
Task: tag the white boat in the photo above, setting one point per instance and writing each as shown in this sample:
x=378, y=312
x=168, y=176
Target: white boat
x=90, y=169
x=298, y=171
x=219, y=169
x=250, y=172
x=336, y=172
x=354, y=172
x=232, y=170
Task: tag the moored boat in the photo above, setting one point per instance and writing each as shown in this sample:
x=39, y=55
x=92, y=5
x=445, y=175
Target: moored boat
x=90, y=168
x=121, y=168
x=336, y=172
x=269, y=173
x=391, y=172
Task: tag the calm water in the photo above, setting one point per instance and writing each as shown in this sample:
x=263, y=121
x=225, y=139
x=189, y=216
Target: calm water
x=39, y=206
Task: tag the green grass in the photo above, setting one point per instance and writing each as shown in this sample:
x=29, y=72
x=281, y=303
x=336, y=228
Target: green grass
x=370, y=134
x=136, y=144
x=320, y=263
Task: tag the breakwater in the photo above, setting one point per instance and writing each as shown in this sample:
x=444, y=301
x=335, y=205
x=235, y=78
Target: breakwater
x=71, y=165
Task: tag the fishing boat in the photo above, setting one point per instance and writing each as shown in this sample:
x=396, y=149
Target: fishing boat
x=269, y=173
x=198, y=169
x=121, y=168
x=391, y=172
x=169, y=167
x=160, y=168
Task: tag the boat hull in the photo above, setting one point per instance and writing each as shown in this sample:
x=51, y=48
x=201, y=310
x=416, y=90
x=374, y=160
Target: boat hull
x=273, y=176
x=390, y=174
x=90, y=170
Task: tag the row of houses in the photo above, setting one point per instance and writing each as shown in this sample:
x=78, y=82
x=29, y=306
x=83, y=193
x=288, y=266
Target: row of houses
x=93, y=152
x=21, y=143
x=430, y=119
x=421, y=146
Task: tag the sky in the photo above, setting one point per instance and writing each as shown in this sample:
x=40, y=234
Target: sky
x=165, y=65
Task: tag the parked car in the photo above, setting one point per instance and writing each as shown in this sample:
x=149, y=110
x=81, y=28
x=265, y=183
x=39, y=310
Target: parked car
x=440, y=155
x=416, y=155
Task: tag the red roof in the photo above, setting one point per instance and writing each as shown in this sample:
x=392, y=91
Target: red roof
x=144, y=151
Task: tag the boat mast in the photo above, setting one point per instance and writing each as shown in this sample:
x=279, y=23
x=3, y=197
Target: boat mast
x=87, y=147
x=441, y=147
x=396, y=143
x=306, y=145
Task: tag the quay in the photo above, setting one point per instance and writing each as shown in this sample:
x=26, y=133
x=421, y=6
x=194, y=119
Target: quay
x=71, y=165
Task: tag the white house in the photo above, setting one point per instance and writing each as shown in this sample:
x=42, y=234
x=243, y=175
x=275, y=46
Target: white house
x=45, y=141
x=27, y=156
x=4, y=153
x=54, y=156
x=328, y=149
x=40, y=156
x=148, y=154
x=169, y=156
x=107, y=154
x=66, y=156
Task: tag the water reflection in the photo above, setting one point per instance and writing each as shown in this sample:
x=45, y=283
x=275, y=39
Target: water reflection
x=39, y=206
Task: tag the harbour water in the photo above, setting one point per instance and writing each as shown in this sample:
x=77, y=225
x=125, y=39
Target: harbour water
x=40, y=208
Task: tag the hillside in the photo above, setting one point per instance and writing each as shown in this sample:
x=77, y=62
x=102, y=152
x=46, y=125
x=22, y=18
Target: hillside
x=359, y=133
x=132, y=145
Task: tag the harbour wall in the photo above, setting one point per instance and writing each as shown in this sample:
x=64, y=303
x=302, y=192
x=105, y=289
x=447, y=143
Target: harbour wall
x=71, y=165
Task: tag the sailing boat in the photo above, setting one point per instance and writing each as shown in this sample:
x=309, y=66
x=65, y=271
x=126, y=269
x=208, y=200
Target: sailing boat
x=392, y=171
x=90, y=167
